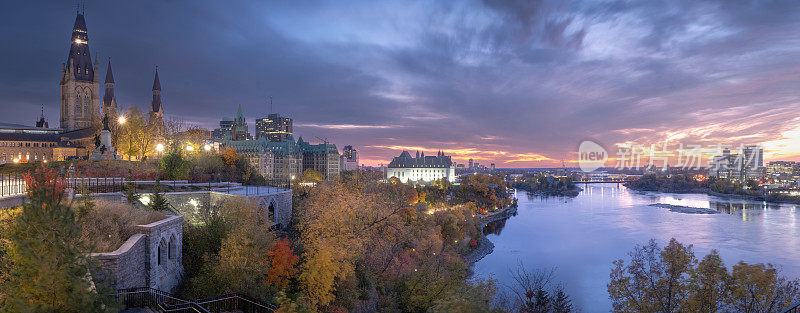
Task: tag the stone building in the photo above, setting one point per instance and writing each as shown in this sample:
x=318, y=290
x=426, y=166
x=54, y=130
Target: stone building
x=323, y=158
x=151, y=258
x=81, y=110
x=289, y=158
x=80, y=83
x=421, y=168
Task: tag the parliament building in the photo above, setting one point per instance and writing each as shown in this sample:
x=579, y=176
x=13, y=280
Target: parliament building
x=82, y=105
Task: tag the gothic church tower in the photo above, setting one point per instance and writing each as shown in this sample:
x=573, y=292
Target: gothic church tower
x=109, y=100
x=80, y=83
x=156, y=111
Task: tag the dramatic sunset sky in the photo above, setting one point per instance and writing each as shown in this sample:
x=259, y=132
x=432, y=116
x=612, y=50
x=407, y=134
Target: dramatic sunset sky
x=518, y=83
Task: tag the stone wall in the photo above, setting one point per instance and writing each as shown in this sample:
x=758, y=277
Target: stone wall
x=164, y=245
x=127, y=266
x=152, y=258
x=190, y=204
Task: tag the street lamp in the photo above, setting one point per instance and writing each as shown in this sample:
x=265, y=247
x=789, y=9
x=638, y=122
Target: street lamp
x=160, y=147
x=189, y=148
x=121, y=120
x=207, y=147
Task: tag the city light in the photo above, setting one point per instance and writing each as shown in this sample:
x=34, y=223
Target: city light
x=207, y=147
x=189, y=148
x=16, y=160
x=160, y=147
x=121, y=120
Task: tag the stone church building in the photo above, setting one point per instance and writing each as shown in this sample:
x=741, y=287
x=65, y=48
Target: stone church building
x=81, y=108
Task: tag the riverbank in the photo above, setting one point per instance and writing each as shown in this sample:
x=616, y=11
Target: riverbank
x=485, y=246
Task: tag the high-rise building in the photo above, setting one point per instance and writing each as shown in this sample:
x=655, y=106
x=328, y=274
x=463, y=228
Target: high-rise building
x=783, y=172
x=274, y=127
x=225, y=127
x=748, y=164
x=492, y=167
x=349, y=159
x=471, y=164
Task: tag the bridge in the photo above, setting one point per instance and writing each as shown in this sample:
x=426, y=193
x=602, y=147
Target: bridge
x=604, y=180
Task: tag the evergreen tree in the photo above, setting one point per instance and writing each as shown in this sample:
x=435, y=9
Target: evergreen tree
x=130, y=193
x=158, y=202
x=173, y=165
x=561, y=302
x=46, y=261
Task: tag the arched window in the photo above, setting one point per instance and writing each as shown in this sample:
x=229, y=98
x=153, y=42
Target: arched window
x=173, y=246
x=78, y=106
x=162, y=250
x=86, y=110
x=272, y=210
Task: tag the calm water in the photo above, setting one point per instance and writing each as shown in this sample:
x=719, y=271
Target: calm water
x=583, y=235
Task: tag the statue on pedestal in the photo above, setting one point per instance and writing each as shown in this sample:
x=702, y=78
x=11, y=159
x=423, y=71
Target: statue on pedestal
x=104, y=150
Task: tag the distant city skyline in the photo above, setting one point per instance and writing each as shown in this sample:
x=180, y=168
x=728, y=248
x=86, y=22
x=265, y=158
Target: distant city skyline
x=517, y=84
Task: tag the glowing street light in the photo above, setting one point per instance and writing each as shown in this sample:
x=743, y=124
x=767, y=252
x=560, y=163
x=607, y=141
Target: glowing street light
x=207, y=147
x=121, y=120
x=160, y=147
x=189, y=148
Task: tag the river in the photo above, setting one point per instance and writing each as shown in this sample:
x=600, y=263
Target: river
x=581, y=236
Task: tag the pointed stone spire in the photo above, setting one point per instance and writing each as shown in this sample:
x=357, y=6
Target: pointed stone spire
x=156, y=82
x=109, y=74
x=417, y=154
x=155, y=106
x=239, y=115
x=79, y=59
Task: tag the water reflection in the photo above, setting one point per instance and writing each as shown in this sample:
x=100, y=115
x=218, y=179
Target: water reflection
x=582, y=236
x=494, y=228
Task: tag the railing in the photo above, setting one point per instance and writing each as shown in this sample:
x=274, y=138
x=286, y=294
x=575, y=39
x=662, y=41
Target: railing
x=795, y=308
x=153, y=298
x=147, y=298
x=85, y=185
x=12, y=185
x=235, y=302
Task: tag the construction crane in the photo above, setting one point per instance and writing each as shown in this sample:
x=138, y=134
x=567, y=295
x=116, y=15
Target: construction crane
x=324, y=140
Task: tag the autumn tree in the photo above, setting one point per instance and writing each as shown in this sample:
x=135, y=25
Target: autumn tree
x=48, y=267
x=136, y=137
x=671, y=280
x=230, y=156
x=282, y=264
x=243, y=255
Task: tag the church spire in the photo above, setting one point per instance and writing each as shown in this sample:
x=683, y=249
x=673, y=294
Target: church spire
x=79, y=59
x=109, y=74
x=156, y=105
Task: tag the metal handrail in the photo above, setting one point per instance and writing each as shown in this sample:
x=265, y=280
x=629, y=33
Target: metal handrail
x=220, y=303
x=238, y=297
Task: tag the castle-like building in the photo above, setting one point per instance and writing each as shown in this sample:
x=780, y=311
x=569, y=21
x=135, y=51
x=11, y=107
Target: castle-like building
x=82, y=110
x=421, y=168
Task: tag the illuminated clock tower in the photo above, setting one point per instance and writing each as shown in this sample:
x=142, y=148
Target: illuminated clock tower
x=80, y=83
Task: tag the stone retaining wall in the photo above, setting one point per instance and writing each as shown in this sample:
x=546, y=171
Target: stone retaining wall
x=127, y=266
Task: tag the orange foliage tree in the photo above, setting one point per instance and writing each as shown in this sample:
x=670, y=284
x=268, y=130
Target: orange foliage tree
x=282, y=261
